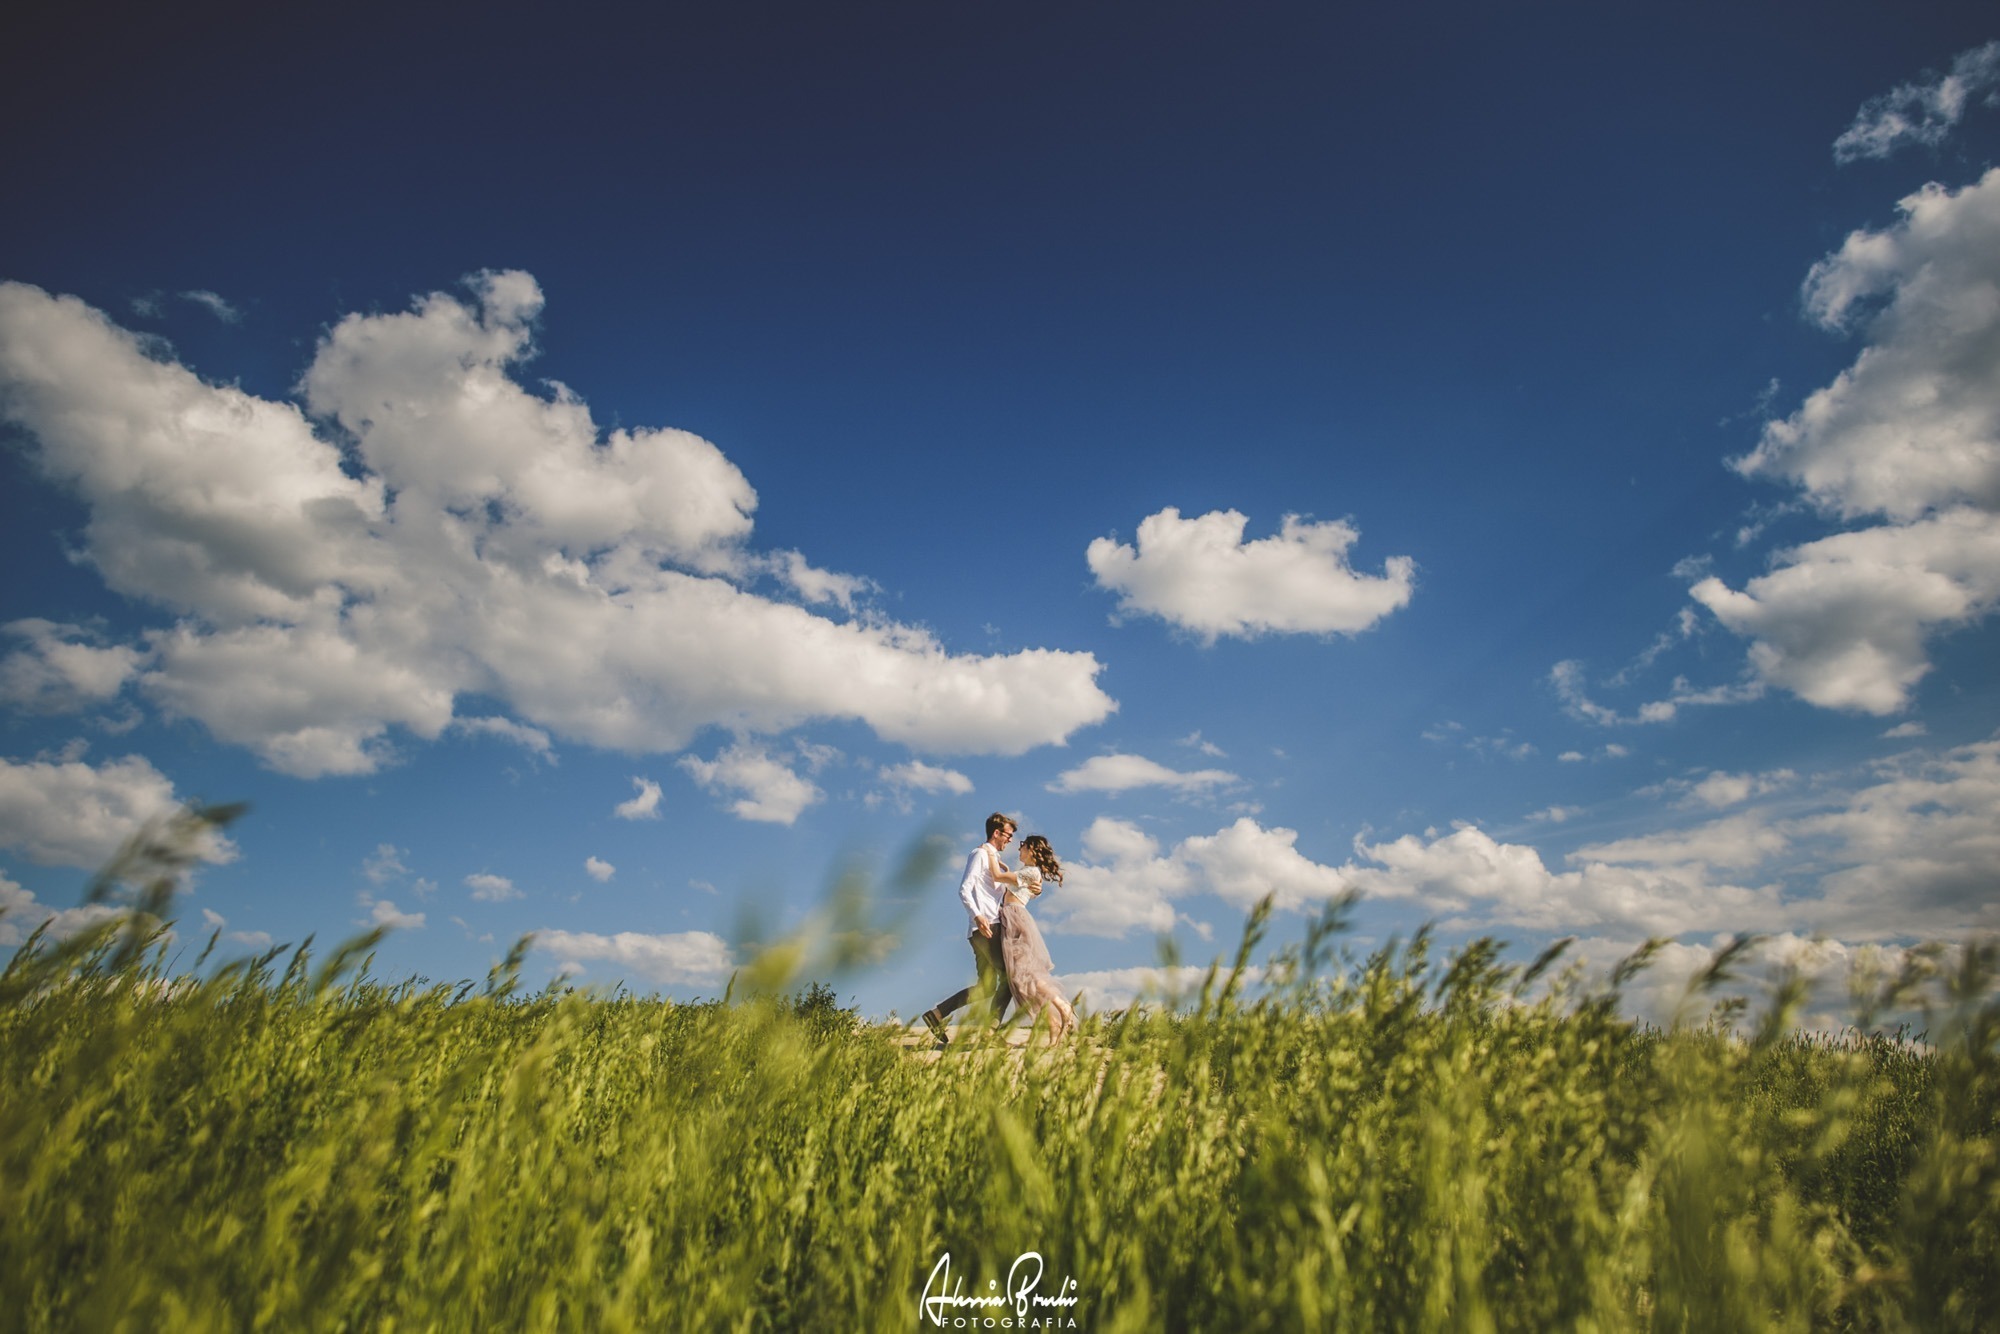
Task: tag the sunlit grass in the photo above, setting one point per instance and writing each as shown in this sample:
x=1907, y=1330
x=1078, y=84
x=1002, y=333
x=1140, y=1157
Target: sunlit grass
x=1391, y=1143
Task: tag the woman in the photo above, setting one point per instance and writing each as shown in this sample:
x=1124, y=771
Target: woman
x=1028, y=963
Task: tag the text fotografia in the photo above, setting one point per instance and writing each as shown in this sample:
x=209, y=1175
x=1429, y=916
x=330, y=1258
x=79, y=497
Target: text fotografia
x=1018, y=1306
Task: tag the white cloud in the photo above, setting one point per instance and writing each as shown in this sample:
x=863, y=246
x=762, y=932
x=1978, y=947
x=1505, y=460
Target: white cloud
x=60, y=670
x=1119, y=884
x=916, y=776
x=381, y=912
x=1556, y=814
x=1902, y=849
x=1246, y=861
x=489, y=888
x=66, y=813
x=1200, y=575
x=816, y=585
x=771, y=792
x=1910, y=435
x=600, y=870
x=1568, y=679
x=532, y=739
x=21, y=912
x=1119, y=988
x=1909, y=729
x=215, y=921
x=1660, y=993
x=1472, y=880
x=690, y=958
x=214, y=305
x=478, y=540
x=384, y=864
x=1122, y=773
x=1919, y=113
x=1842, y=622
x=1122, y=883
x=1721, y=789
x=645, y=806
x=1735, y=843
x=1912, y=850
x=479, y=938
x=1571, y=757
x=1206, y=747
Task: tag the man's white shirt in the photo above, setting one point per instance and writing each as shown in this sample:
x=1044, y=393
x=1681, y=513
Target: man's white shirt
x=978, y=891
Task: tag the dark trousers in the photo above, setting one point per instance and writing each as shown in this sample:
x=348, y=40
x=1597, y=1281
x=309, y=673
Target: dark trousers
x=991, y=988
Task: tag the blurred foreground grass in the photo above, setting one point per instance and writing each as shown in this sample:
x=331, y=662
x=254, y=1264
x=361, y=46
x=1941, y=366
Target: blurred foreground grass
x=1398, y=1143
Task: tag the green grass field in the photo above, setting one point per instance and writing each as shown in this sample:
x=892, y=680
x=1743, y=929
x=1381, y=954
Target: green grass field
x=1399, y=1142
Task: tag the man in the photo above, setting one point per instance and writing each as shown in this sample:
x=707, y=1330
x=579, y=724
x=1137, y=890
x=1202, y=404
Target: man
x=979, y=890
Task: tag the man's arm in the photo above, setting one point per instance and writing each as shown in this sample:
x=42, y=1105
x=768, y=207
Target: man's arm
x=970, y=881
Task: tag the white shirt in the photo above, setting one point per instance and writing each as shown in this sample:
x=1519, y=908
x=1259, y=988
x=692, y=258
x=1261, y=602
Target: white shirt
x=978, y=891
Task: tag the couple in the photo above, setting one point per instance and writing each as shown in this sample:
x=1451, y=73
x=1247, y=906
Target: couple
x=1014, y=964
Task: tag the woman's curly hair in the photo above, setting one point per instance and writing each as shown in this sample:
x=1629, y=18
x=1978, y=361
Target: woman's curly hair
x=1035, y=851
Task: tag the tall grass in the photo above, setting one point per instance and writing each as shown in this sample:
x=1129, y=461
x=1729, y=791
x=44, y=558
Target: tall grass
x=1387, y=1143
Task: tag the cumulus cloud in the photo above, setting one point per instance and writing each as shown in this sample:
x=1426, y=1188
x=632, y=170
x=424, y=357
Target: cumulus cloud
x=1123, y=882
x=690, y=958
x=1119, y=988
x=215, y=921
x=1721, y=789
x=599, y=869
x=62, y=668
x=1904, y=848
x=69, y=813
x=381, y=912
x=1842, y=622
x=1661, y=992
x=1919, y=113
x=818, y=586
x=1733, y=843
x=770, y=791
x=214, y=304
x=645, y=806
x=531, y=739
x=1571, y=687
x=489, y=888
x=1470, y=879
x=21, y=912
x=916, y=776
x=1912, y=851
x=1122, y=773
x=384, y=864
x=1908, y=436
x=476, y=539
x=1199, y=574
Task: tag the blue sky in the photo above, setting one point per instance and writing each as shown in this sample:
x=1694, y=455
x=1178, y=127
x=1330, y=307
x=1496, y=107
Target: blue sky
x=591, y=476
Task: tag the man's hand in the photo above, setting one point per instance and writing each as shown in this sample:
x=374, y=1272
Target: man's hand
x=985, y=927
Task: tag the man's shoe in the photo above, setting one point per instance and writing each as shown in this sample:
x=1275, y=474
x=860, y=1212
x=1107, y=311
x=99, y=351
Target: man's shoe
x=935, y=1023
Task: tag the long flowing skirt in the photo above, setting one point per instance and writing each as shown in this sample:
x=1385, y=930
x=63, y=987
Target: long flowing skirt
x=1030, y=971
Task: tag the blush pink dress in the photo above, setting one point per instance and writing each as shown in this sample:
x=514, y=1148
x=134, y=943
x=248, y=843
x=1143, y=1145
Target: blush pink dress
x=1030, y=970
